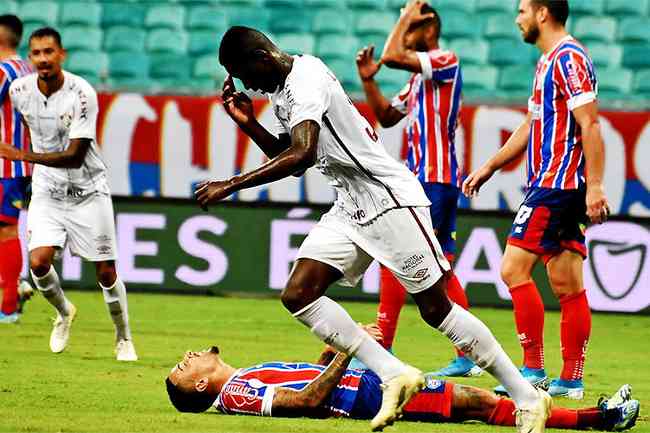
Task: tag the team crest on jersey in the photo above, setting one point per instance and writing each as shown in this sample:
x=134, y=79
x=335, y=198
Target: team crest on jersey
x=66, y=120
x=445, y=57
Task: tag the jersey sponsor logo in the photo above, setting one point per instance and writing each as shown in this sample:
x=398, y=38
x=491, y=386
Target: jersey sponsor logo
x=412, y=261
x=444, y=58
x=576, y=77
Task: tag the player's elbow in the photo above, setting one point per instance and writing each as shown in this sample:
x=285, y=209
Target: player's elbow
x=392, y=59
x=305, y=159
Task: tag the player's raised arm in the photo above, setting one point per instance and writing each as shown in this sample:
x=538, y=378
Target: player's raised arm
x=594, y=150
x=514, y=147
x=240, y=108
x=308, y=401
x=298, y=157
x=396, y=54
x=368, y=68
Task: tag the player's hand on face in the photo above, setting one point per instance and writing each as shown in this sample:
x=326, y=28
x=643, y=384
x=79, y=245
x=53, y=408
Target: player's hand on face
x=366, y=64
x=237, y=104
x=413, y=12
x=597, y=205
x=475, y=180
x=9, y=152
x=212, y=191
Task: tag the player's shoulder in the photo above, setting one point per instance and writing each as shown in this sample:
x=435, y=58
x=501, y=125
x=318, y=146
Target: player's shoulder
x=79, y=86
x=306, y=70
x=443, y=56
x=22, y=85
x=572, y=48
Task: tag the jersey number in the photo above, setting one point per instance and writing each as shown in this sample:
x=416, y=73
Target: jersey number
x=524, y=213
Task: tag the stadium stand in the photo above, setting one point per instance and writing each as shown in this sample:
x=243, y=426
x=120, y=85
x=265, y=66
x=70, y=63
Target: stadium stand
x=482, y=32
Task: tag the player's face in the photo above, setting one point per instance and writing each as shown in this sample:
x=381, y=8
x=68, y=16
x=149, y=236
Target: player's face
x=195, y=366
x=46, y=56
x=527, y=22
x=257, y=75
x=416, y=37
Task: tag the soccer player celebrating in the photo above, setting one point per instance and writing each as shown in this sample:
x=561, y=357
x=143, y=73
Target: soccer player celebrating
x=431, y=102
x=565, y=189
x=71, y=202
x=329, y=388
x=14, y=176
x=381, y=212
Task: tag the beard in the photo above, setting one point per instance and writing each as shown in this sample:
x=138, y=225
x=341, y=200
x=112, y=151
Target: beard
x=531, y=35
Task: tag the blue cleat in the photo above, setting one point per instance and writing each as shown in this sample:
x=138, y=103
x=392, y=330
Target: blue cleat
x=620, y=411
x=460, y=366
x=535, y=376
x=9, y=318
x=573, y=389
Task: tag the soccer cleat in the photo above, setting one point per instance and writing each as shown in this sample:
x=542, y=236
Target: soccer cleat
x=573, y=389
x=535, y=376
x=9, y=318
x=623, y=394
x=396, y=393
x=125, y=351
x=460, y=366
x=622, y=416
x=533, y=419
x=25, y=292
x=61, y=330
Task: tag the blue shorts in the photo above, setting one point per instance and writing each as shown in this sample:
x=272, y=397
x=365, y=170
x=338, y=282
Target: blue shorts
x=13, y=197
x=550, y=221
x=444, y=203
x=432, y=404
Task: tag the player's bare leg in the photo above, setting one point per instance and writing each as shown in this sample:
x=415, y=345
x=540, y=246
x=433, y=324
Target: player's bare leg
x=304, y=298
x=115, y=296
x=565, y=275
x=47, y=281
x=471, y=336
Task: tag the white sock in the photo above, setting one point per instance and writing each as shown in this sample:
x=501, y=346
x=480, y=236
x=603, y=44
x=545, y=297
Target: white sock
x=115, y=297
x=332, y=324
x=50, y=286
x=471, y=336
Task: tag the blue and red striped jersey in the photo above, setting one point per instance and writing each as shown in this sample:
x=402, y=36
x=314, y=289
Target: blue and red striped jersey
x=431, y=101
x=12, y=130
x=564, y=80
x=250, y=390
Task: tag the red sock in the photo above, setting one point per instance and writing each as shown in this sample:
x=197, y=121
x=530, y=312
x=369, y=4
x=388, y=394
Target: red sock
x=10, y=266
x=575, y=328
x=456, y=293
x=392, y=297
x=529, y=317
x=504, y=414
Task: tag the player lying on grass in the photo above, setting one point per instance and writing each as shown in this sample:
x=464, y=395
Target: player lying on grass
x=329, y=389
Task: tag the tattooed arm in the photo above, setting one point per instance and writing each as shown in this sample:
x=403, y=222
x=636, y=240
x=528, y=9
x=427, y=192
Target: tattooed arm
x=309, y=401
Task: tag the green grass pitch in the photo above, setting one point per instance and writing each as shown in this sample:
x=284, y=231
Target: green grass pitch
x=85, y=390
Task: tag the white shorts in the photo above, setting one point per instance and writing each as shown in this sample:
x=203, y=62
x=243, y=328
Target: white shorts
x=400, y=239
x=86, y=225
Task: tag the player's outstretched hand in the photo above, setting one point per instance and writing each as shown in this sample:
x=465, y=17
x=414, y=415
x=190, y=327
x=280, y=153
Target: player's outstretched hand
x=597, y=205
x=475, y=180
x=212, y=191
x=9, y=152
x=373, y=330
x=366, y=64
x=238, y=106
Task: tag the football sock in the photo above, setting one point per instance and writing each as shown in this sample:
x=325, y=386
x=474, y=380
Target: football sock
x=10, y=266
x=504, y=414
x=115, y=297
x=457, y=294
x=333, y=325
x=575, y=328
x=471, y=336
x=392, y=297
x=529, y=318
x=50, y=286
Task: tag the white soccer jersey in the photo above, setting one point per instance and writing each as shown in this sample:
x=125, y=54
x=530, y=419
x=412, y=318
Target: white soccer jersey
x=368, y=181
x=69, y=113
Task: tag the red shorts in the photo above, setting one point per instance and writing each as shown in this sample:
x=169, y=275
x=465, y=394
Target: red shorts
x=433, y=403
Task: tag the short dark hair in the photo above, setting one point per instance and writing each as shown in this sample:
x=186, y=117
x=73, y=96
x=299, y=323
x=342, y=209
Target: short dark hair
x=45, y=32
x=195, y=402
x=428, y=9
x=15, y=27
x=239, y=41
x=559, y=9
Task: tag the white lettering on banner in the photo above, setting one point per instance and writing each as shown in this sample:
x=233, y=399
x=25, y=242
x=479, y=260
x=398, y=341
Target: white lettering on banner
x=124, y=113
x=282, y=254
x=617, y=270
x=189, y=242
x=370, y=282
x=22, y=235
x=641, y=158
x=482, y=240
x=615, y=164
x=129, y=247
x=487, y=127
x=70, y=266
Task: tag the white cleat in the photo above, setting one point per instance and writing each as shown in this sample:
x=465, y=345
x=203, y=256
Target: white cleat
x=125, y=351
x=396, y=393
x=533, y=419
x=623, y=394
x=61, y=330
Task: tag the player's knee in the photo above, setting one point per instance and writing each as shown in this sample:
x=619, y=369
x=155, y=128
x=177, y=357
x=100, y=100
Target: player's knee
x=513, y=273
x=106, y=275
x=39, y=264
x=563, y=282
x=294, y=297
